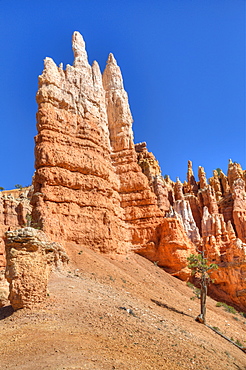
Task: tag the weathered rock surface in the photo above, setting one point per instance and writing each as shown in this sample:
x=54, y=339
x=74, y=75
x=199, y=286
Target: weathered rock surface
x=4, y=289
x=138, y=201
x=88, y=186
x=150, y=167
x=239, y=207
x=182, y=207
x=219, y=212
x=173, y=248
x=14, y=210
x=76, y=190
x=30, y=257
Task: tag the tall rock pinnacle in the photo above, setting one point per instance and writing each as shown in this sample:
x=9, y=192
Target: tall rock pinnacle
x=118, y=110
x=80, y=54
x=112, y=77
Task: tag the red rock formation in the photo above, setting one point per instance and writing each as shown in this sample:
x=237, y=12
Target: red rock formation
x=94, y=187
x=234, y=172
x=216, y=185
x=219, y=210
x=239, y=208
x=191, y=185
x=14, y=208
x=88, y=186
x=30, y=258
x=182, y=207
x=173, y=248
x=150, y=167
x=137, y=199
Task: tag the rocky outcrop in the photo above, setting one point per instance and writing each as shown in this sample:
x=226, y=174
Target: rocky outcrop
x=239, y=207
x=15, y=210
x=88, y=186
x=4, y=289
x=76, y=189
x=182, y=207
x=138, y=201
x=150, y=167
x=173, y=248
x=219, y=212
x=30, y=258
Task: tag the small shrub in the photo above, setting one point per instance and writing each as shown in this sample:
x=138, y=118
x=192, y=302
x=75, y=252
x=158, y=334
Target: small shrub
x=239, y=343
x=227, y=308
x=216, y=328
x=189, y=284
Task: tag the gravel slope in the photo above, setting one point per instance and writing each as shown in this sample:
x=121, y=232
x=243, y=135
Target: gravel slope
x=103, y=313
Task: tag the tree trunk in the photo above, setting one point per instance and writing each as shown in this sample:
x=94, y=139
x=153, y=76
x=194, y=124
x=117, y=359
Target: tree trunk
x=203, y=299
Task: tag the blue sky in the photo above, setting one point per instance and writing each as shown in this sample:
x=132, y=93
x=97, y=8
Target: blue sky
x=183, y=64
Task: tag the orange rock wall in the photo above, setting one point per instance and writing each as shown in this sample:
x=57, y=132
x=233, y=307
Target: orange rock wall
x=88, y=186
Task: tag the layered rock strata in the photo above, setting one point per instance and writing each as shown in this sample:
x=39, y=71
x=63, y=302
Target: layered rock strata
x=30, y=257
x=76, y=190
x=150, y=167
x=15, y=211
x=88, y=186
x=138, y=201
x=213, y=216
x=219, y=211
x=173, y=248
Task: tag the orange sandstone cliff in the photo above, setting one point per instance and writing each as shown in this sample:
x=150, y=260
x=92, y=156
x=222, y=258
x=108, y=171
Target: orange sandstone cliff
x=94, y=187
x=88, y=186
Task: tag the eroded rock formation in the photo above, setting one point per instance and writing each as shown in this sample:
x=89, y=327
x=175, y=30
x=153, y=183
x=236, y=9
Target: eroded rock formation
x=173, y=248
x=219, y=211
x=94, y=187
x=30, y=257
x=88, y=186
x=14, y=211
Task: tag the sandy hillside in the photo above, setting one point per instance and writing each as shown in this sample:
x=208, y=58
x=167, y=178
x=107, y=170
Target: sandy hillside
x=109, y=314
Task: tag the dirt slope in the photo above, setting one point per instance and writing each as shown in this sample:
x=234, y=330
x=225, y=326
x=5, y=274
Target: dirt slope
x=99, y=315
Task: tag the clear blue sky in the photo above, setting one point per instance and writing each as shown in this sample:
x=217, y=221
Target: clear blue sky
x=183, y=64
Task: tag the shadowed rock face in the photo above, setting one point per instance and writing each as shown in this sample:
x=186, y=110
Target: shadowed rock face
x=30, y=257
